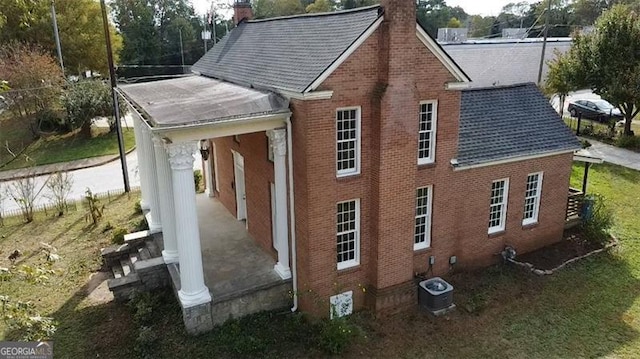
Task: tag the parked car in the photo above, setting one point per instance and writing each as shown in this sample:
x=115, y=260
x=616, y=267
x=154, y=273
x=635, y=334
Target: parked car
x=599, y=110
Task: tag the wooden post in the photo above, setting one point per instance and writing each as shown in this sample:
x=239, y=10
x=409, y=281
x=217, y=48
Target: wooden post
x=585, y=177
x=579, y=121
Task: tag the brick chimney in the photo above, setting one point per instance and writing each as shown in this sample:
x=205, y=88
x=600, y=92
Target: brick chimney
x=241, y=11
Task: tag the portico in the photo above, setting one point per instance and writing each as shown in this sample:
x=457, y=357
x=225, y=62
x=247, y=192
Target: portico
x=172, y=118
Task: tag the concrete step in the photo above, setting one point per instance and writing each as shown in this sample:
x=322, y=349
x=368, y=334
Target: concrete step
x=152, y=248
x=126, y=266
x=134, y=257
x=137, y=236
x=143, y=253
x=117, y=271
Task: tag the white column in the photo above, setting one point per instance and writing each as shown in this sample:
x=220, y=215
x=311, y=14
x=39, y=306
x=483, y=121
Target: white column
x=142, y=159
x=167, y=209
x=193, y=291
x=279, y=143
x=153, y=218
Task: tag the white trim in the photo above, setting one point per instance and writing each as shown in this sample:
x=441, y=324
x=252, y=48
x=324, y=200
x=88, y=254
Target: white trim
x=356, y=260
x=427, y=237
x=536, y=205
x=307, y=96
x=503, y=211
x=345, y=55
x=434, y=131
x=356, y=171
x=454, y=162
x=441, y=55
x=457, y=85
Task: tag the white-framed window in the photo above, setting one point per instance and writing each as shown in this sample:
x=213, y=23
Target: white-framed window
x=532, y=198
x=427, y=125
x=498, y=207
x=348, y=141
x=348, y=234
x=422, y=237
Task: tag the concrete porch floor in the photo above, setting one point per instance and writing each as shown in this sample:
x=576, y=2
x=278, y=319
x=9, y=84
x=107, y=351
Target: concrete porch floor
x=234, y=265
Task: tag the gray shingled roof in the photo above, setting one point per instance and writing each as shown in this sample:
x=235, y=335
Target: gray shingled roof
x=285, y=53
x=508, y=122
x=500, y=63
x=198, y=99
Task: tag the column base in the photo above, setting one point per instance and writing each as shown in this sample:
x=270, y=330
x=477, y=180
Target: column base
x=170, y=256
x=188, y=300
x=283, y=272
x=198, y=319
x=144, y=205
x=153, y=226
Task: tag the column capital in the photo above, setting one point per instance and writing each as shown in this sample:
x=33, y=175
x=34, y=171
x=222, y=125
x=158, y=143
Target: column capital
x=181, y=155
x=279, y=142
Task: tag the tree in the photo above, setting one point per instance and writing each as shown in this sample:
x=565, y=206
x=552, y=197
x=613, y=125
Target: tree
x=352, y=4
x=434, y=14
x=561, y=78
x=321, y=6
x=454, y=23
x=480, y=26
x=85, y=101
x=588, y=11
x=80, y=27
x=608, y=61
x=35, y=79
x=271, y=8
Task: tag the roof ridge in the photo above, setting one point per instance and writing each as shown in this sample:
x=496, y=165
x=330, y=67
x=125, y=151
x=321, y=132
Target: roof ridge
x=500, y=87
x=317, y=14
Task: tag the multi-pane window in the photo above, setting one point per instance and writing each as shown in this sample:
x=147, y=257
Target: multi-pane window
x=348, y=234
x=422, y=238
x=498, y=207
x=532, y=198
x=427, y=132
x=348, y=141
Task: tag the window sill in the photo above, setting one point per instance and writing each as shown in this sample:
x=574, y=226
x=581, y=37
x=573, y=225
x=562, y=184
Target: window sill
x=530, y=225
x=422, y=166
x=426, y=162
x=421, y=250
x=348, y=269
x=347, y=178
x=497, y=233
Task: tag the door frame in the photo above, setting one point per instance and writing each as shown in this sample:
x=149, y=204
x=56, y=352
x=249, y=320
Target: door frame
x=240, y=186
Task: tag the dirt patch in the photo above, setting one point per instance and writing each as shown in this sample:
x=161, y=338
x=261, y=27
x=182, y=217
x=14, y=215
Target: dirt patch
x=98, y=289
x=550, y=257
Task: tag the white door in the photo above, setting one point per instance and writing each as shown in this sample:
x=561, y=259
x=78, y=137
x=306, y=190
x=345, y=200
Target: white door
x=273, y=216
x=241, y=196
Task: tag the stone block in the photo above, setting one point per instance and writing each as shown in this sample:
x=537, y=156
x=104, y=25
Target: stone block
x=198, y=319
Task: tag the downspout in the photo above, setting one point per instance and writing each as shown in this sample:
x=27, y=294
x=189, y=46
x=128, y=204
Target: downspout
x=292, y=218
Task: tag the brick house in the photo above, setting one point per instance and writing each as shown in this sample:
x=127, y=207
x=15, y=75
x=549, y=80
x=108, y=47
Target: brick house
x=352, y=149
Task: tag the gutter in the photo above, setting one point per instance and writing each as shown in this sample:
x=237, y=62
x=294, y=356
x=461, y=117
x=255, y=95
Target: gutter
x=292, y=217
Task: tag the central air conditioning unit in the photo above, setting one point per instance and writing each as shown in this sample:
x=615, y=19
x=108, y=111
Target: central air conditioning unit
x=435, y=295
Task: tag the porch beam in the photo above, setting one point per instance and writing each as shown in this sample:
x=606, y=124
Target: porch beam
x=167, y=208
x=279, y=143
x=193, y=292
x=154, y=215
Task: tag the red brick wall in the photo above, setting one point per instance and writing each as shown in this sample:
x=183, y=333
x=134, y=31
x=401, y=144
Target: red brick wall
x=258, y=172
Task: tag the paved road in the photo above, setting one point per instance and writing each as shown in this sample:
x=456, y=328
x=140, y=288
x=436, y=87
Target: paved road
x=107, y=177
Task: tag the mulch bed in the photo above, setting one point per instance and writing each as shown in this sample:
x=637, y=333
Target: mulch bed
x=572, y=246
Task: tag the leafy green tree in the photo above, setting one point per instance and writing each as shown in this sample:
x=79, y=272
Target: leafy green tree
x=608, y=61
x=561, y=78
x=480, y=26
x=434, y=14
x=321, y=6
x=137, y=24
x=80, y=27
x=351, y=4
x=264, y=9
x=85, y=101
x=454, y=23
x=588, y=11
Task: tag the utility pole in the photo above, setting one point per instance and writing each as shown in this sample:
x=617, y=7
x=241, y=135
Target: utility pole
x=114, y=94
x=204, y=34
x=56, y=35
x=544, y=42
x=181, y=50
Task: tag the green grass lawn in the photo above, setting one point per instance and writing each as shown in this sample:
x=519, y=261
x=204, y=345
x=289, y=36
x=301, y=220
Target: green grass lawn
x=591, y=309
x=56, y=148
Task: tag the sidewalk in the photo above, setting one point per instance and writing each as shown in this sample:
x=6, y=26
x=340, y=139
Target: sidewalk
x=55, y=167
x=615, y=155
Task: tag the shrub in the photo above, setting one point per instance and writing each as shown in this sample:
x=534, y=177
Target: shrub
x=60, y=185
x=23, y=322
x=630, y=142
x=118, y=235
x=197, y=177
x=94, y=208
x=86, y=100
x=137, y=208
x=141, y=225
x=336, y=335
x=596, y=224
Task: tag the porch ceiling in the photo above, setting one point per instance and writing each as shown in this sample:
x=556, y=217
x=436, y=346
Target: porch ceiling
x=195, y=100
